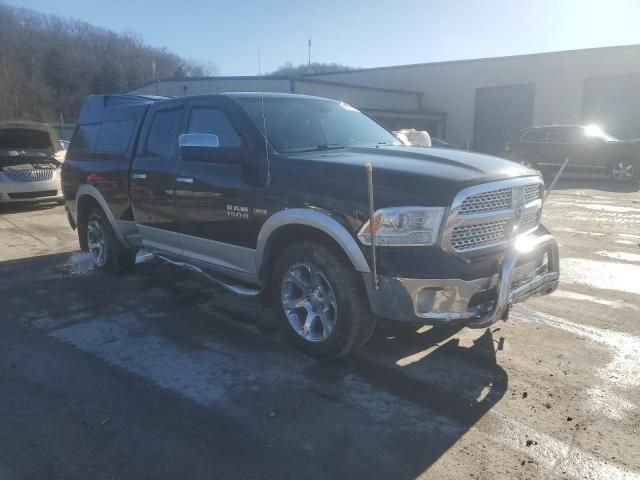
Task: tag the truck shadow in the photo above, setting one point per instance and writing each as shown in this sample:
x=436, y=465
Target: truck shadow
x=434, y=372
x=408, y=396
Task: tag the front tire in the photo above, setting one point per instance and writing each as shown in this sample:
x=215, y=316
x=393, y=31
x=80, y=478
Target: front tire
x=320, y=301
x=107, y=253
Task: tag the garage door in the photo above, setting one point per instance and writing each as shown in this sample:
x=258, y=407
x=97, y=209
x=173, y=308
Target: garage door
x=613, y=103
x=501, y=112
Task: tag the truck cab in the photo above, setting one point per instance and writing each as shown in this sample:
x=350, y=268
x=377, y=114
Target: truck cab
x=312, y=205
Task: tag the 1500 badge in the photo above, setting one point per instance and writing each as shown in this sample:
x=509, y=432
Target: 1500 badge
x=237, y=211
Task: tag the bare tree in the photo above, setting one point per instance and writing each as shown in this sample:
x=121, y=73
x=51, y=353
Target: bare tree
x=49, y=64
x=303, y=69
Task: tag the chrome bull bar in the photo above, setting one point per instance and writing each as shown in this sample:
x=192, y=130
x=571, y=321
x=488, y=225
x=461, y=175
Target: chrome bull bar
x=542, y=284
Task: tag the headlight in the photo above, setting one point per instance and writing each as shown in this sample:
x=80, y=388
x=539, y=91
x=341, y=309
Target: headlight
x=404, y=226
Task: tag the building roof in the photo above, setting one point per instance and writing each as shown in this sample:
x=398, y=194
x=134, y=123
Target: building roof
x=472, y=60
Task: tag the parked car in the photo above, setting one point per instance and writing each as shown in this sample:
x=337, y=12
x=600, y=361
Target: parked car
x=439, y=143
x=588, y=148
x=311, y=204
x=413, y=137
x=30, y=163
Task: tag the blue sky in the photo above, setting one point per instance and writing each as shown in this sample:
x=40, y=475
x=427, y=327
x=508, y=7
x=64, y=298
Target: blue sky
x=364, y=34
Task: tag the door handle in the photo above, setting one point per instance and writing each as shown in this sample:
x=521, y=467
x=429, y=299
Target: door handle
x=139, y=176
x=184, y=179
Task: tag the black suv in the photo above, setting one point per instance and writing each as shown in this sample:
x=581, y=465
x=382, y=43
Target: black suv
x=311, y=204
x=588, y=148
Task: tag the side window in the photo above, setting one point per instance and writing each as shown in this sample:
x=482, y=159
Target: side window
x=576, y=136
x=536, y=136
x=163, y=134
x=213, y=120
x=86, y=137
x=114, y=137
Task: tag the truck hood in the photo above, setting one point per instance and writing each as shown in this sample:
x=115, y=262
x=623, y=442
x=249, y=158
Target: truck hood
x=401, y=175
x=443, y=163
x=23, y=135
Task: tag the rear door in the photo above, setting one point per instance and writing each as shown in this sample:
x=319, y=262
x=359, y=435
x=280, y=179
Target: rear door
x=153, y=176
x=557, y=146
x=213, y=192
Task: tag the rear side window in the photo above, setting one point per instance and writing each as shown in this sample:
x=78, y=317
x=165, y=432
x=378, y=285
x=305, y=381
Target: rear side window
x=86, y=137
x=561, y=135
x=163, y=135
x=213, y=120
x=536, y=136
x=114, y=137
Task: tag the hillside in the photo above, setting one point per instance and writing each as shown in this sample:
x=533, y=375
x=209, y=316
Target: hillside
x=49, y=64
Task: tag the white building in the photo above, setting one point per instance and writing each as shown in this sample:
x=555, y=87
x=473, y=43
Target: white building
x=481, y=103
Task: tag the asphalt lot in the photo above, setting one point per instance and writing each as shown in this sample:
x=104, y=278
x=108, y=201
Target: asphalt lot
x=157, y=374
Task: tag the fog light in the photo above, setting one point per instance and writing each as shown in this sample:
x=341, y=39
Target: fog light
x=425, y=300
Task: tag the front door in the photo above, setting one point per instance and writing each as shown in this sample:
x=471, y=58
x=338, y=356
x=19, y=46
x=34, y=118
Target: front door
x=153, y=177
x=587, y=150
x=213, y=194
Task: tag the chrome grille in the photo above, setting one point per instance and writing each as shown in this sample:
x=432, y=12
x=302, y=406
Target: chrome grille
x=468, y=237
x=528, y=221
x=484, y=216
x=487, y=202
x=532, y=192
x=27, y=176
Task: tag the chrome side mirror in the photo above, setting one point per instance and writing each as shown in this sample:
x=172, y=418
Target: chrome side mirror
x=198, y=146
x=198, y=140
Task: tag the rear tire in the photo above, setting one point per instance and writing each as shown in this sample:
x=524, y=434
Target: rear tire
x=320, y=301
x=624, y=170
x=107, y=253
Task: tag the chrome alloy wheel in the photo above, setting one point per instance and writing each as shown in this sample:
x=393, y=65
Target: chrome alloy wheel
x=97, y=243
x=622, y=171
x=308, y=302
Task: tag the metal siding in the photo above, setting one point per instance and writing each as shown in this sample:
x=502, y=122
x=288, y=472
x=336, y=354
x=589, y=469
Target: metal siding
x=176, y=88
x=361, y=97
x=613, y=103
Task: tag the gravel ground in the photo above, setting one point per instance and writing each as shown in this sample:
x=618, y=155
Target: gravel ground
x=157, y=374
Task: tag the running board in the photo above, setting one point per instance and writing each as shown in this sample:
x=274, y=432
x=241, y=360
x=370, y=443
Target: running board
x=237, y=289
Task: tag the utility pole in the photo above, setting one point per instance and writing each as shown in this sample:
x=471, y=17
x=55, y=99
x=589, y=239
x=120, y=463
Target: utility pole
x=309, y=57
x=154, y=74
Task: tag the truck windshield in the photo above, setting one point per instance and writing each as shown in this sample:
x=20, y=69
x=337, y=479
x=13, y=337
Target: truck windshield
x=302, y=125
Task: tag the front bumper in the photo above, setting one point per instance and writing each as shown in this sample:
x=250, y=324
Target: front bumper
x=530, y=268
x=25, y=192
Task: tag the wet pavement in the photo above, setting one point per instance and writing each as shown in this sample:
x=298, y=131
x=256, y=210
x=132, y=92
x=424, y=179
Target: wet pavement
x=158, y=374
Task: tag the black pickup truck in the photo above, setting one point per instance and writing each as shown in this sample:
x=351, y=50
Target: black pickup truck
x=311, y=204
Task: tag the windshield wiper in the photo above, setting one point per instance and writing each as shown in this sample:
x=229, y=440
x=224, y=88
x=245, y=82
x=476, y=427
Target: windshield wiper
x=329, y=146
x=318, y=148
